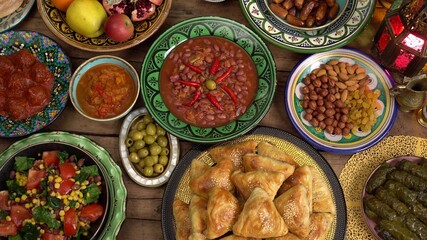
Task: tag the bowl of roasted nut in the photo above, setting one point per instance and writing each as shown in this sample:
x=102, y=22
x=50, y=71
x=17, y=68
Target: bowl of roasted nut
x=306, y=15
x=149, y=153
x=339, y=101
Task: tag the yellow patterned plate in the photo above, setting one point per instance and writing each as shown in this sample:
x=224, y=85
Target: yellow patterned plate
x=358, y=169
x=302, y=152
x=55, y=21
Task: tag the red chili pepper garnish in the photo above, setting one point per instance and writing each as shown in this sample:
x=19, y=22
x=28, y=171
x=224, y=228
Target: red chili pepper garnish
x=195, y=98
x=187, y=83
x=194, y=68
x=230, y=93
x=214, y=101
x=214, y=67
x=223, y=76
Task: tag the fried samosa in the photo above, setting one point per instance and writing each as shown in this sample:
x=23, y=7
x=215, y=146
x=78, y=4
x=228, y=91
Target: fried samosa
x=216, y=176
x=302, y=175
x=222, y=211
x=233, y=152
x=320, y=224
x=245, y=183
x=252, y=162
x=288, y=236
x=269, y=150
x=322, y=195
x=260, y=218
x=293, y=206
x=181, y=214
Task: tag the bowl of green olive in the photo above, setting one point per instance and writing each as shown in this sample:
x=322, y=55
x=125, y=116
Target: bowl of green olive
x=149, y=153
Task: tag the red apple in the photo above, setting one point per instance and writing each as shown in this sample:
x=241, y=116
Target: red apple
x=118, y=27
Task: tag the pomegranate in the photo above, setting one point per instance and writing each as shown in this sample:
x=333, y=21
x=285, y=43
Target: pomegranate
x=137, y=10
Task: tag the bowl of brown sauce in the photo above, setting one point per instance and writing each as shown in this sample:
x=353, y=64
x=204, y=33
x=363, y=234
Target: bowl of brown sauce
x=104, y=88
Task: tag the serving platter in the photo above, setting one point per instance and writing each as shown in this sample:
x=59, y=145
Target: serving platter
x=302, y=152
x=17, y=16
x=357, y=140
x=352, y=22
x=117, y=189
x=208, y=26
x=52, y=55
x=55, y=21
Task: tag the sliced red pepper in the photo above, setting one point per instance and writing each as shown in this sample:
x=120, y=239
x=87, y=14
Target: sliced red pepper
x=214, y=101
x=194, y=68
x=214, y=67
x=195, y=98
x=230, y=93
x=225, y=75
x=187, y=83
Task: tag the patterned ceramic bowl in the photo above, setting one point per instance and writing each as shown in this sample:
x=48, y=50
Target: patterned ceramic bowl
x=79, y=103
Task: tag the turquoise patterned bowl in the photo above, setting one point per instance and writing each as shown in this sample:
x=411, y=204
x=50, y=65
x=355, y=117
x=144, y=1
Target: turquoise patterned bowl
x=208, y=26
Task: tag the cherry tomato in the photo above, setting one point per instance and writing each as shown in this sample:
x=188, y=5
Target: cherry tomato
x=19, y=213
x=71, y=222
x=8, y=229
x=65, y=187
x=92, y=212
x=34, y=178
x=67, y=170
x=50, y=157
x=50, y=236
x=4, y=200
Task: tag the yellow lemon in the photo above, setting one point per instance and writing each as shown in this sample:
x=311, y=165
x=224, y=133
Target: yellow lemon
x=86, y=17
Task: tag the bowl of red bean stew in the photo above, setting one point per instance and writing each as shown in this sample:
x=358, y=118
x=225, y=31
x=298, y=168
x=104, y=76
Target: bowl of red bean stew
x=104, y=88
x=209, y=84
x=339, y=101
x=208, y=81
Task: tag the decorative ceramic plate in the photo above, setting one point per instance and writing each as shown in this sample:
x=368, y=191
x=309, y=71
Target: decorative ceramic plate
x=371, y=224
x=352, y=22
x=55, y=21
x=356, y=140
x=117, y=189
x=208, y=26
x=16, y=17
x=302, y=152
x=49, y=53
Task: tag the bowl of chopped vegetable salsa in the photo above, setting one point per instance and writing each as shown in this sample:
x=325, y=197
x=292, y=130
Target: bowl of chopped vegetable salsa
x=53, y=190
x=104, y=88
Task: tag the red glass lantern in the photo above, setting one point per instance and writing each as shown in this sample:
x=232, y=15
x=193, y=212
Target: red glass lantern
x=401, y=41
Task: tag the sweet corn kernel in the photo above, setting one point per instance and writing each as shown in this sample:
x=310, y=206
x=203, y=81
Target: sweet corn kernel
x=50, y=178
x=52, y=194
x=78, y=172
x=42, y=203
x=24, y=197
x=83, y=187
x=28, y=205
x=66, y=208
x=34, y=191
x=42, y=231
x=85, y=233
x=77, y=204
x=85, y=182
x=66, y=202
x=57, y=185
x=17, y=200
x=41, y=166
x=36, y=201
x=61, y=213
x=58, y=179
x=8, y=218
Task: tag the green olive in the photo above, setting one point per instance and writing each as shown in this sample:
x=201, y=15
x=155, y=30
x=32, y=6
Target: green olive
x=149, y=161
x=156, y=159
x=155, y=150
x=137, y=136
x=147, y=119
x=132, y=149
x=163, y=160
x=159, y=168
x=128, y=142
x=151, y=129
x=139, y=144
x=148, y=171
x=210, y=84
x=162, y=141
x=143, y=152
x=140, y=125
x=131, y=132
x=133, y=157
x=165, y=151
x=160, y=130
x=141, y=164
x=149, y=139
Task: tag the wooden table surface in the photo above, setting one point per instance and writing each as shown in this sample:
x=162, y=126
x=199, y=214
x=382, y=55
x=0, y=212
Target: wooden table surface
x=143, y=214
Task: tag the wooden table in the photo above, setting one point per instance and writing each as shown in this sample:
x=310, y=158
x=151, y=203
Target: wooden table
x=143, y=215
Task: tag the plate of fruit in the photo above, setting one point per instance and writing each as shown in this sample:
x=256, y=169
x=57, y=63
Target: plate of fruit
x=339, y=101
x=103, y=26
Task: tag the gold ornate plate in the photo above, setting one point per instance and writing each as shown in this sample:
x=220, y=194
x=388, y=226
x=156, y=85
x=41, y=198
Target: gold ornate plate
x=55, y=21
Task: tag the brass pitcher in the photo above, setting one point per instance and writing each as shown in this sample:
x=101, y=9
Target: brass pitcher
x=411, y=97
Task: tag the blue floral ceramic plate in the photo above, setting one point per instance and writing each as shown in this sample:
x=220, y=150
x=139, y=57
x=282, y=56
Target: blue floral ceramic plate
x=49, y=53
x=357, y=140
x=16, y=17
x=208, y=26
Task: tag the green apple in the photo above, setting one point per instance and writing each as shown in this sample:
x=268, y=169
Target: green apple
x=86, y=17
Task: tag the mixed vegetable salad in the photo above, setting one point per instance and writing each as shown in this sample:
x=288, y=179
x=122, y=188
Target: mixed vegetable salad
x=52, y=197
